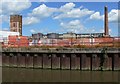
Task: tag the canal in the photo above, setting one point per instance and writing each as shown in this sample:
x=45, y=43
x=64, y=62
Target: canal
x=48, y=75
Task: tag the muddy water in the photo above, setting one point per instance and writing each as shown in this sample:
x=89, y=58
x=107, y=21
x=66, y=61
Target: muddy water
x=46, y=75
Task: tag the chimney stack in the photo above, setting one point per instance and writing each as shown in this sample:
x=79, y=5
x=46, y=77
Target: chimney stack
x=106, y=22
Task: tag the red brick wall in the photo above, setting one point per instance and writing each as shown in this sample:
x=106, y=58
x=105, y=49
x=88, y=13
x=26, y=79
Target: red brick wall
x=22, y=42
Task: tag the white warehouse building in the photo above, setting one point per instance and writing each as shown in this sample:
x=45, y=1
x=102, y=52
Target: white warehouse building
x=4, y=35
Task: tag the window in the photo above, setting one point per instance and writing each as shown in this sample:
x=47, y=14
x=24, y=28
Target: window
x=14, y=25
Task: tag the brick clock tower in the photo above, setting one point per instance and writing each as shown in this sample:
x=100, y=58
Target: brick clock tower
x=16, y=23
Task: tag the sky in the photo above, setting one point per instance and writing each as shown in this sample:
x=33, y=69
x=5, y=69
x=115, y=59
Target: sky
x=61, y=17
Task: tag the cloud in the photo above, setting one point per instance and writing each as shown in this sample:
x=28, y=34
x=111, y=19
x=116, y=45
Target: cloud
x=72, y=26
x=66, y=11
x=15, y=0
x=77, y=27
x=102, y=31
x=67, y=7
x=112, y=16
x=42, y=11
x=38, y=14
x=30, y=20
x=5, y=29
x=0, y=19
x=0, y=11
x=41, y=1
x=96, y=16
x=69, y=11
x=8, y=7
x=33, y=31
x=4, y=18
x=13, y=6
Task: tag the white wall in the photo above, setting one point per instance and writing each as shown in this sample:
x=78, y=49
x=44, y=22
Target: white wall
x=4, y=35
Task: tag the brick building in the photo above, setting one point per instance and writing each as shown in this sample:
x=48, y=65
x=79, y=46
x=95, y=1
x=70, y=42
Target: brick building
x=16, y=23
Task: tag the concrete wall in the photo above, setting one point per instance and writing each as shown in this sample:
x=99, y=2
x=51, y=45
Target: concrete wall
x=79, y=61
x=95, y=62
x=29, y=60
x=108, y=63
x=5, y=59
x=37, y=61
x=85, y=61
x=75, y=61
x=0, y=59
x=13, y=60
x=47, y=60
x=65, y=61
x=21, y=60
x=116, y=62
x=55, y=61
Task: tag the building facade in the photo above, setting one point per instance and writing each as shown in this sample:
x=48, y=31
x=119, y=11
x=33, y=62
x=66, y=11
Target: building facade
x=16, y=23
x=5, y=34
x=53, y=35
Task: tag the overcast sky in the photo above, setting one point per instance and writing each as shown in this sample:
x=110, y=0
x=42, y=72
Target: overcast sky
x=61, y=17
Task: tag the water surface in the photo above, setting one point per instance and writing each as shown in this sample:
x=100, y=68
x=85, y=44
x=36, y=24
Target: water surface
x=45, y=75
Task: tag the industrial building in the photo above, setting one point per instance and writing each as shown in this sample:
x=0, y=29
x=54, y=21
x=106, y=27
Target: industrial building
x=56, y=39
x=70, y=38
x=4, y=36
x=69, y=35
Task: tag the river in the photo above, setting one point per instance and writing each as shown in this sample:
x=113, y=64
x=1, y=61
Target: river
x=47, y=75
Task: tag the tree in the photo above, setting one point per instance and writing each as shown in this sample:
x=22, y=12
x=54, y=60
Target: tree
x=102, y=57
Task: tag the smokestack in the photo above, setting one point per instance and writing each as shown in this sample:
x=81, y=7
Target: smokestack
x=106, y=22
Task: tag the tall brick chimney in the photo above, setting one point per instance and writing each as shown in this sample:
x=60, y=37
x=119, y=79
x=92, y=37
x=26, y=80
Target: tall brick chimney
x=106, y=22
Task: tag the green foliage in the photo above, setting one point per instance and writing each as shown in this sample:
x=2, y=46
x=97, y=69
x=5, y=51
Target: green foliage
x=103, y=57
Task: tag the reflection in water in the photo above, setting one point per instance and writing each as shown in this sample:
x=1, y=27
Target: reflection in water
x=40, y=75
